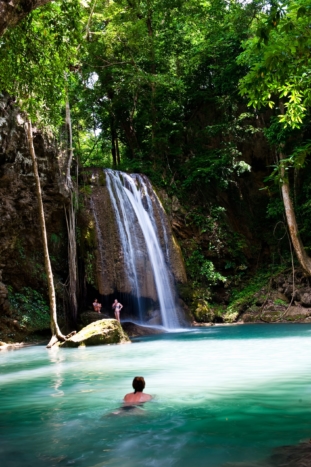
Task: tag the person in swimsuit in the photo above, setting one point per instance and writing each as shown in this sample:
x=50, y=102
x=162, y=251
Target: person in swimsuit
x=133, y=401
x=137, y=397
x=117, y=307
x=97, y=306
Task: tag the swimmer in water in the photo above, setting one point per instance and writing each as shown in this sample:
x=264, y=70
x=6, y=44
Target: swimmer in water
x=137, y=397
x=134, y=400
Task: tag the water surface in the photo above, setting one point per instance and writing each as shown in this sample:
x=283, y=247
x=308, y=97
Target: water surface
x=222, y=395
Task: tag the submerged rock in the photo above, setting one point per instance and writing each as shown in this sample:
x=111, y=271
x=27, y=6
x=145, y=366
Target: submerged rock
x=292, y=456
x=283, y=456
x=105, y=331
x=135, y=330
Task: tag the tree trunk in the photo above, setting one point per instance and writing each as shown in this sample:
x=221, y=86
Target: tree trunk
x=152, y=84
x=13, y=11
x=303, y=258
x=71, y=222
x=56, y=333
x=113, y=142
x=69, y=147
x=130, y=137
x=118, y=151
x=72, y=258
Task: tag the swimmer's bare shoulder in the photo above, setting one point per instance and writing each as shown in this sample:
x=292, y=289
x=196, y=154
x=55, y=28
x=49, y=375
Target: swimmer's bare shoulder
x=133, y=398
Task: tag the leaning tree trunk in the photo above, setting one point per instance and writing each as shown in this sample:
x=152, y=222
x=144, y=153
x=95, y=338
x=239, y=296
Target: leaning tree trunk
x=303, y=258
x=56, y=333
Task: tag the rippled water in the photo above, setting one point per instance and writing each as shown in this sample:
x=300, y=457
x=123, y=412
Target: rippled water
x=222, y=395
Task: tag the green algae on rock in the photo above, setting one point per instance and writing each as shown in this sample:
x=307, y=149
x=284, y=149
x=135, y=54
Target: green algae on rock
x=105, y=331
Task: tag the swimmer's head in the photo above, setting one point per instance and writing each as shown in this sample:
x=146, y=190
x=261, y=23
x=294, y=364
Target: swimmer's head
x=138, y=384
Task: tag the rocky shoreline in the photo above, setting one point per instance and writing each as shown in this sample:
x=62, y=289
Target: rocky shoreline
x=298, y=455
x=20, y=345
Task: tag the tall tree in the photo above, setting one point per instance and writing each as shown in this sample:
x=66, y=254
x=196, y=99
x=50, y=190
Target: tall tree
x=56, y=333
x=158, y=65
x=278, y=60
x=36, y=58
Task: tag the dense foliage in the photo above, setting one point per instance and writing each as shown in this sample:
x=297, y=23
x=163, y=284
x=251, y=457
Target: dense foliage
x=184, y=91
x=32, y=308
x=37, y=57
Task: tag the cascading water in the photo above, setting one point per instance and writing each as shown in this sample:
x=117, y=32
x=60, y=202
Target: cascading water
x=134, y=213
x=147, y=189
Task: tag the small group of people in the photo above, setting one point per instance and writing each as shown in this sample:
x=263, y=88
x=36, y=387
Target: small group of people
x=136, y=397
x=116, y=306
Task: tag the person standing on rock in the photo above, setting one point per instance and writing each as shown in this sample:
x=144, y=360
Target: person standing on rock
x=97, y=306
x=117, y=307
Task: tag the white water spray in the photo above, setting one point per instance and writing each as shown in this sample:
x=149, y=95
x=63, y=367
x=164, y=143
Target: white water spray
x=133, y=219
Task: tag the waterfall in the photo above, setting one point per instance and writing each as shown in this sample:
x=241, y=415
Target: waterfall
x=134, y=204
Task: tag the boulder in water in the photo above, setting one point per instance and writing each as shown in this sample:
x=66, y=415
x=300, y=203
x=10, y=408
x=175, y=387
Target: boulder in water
x=136, y=330
x=292, y=456
x=105, y=331
x=155, y=318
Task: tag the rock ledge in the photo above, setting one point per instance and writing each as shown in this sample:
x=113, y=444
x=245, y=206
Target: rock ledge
x=105, y=331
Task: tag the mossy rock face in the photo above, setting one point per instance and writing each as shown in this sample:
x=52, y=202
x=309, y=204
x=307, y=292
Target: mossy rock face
x=251, y=318
x=295, y=318
x=230, y=316
x=105, y=331
x=254, y=310
x=271, y=316
x=202, y=312
x=298, y=311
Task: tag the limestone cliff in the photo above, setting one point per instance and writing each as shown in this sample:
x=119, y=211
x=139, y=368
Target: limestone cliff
x=21, y=257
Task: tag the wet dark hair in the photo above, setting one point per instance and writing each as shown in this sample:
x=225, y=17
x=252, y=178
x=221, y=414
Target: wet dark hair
x=138, y=384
